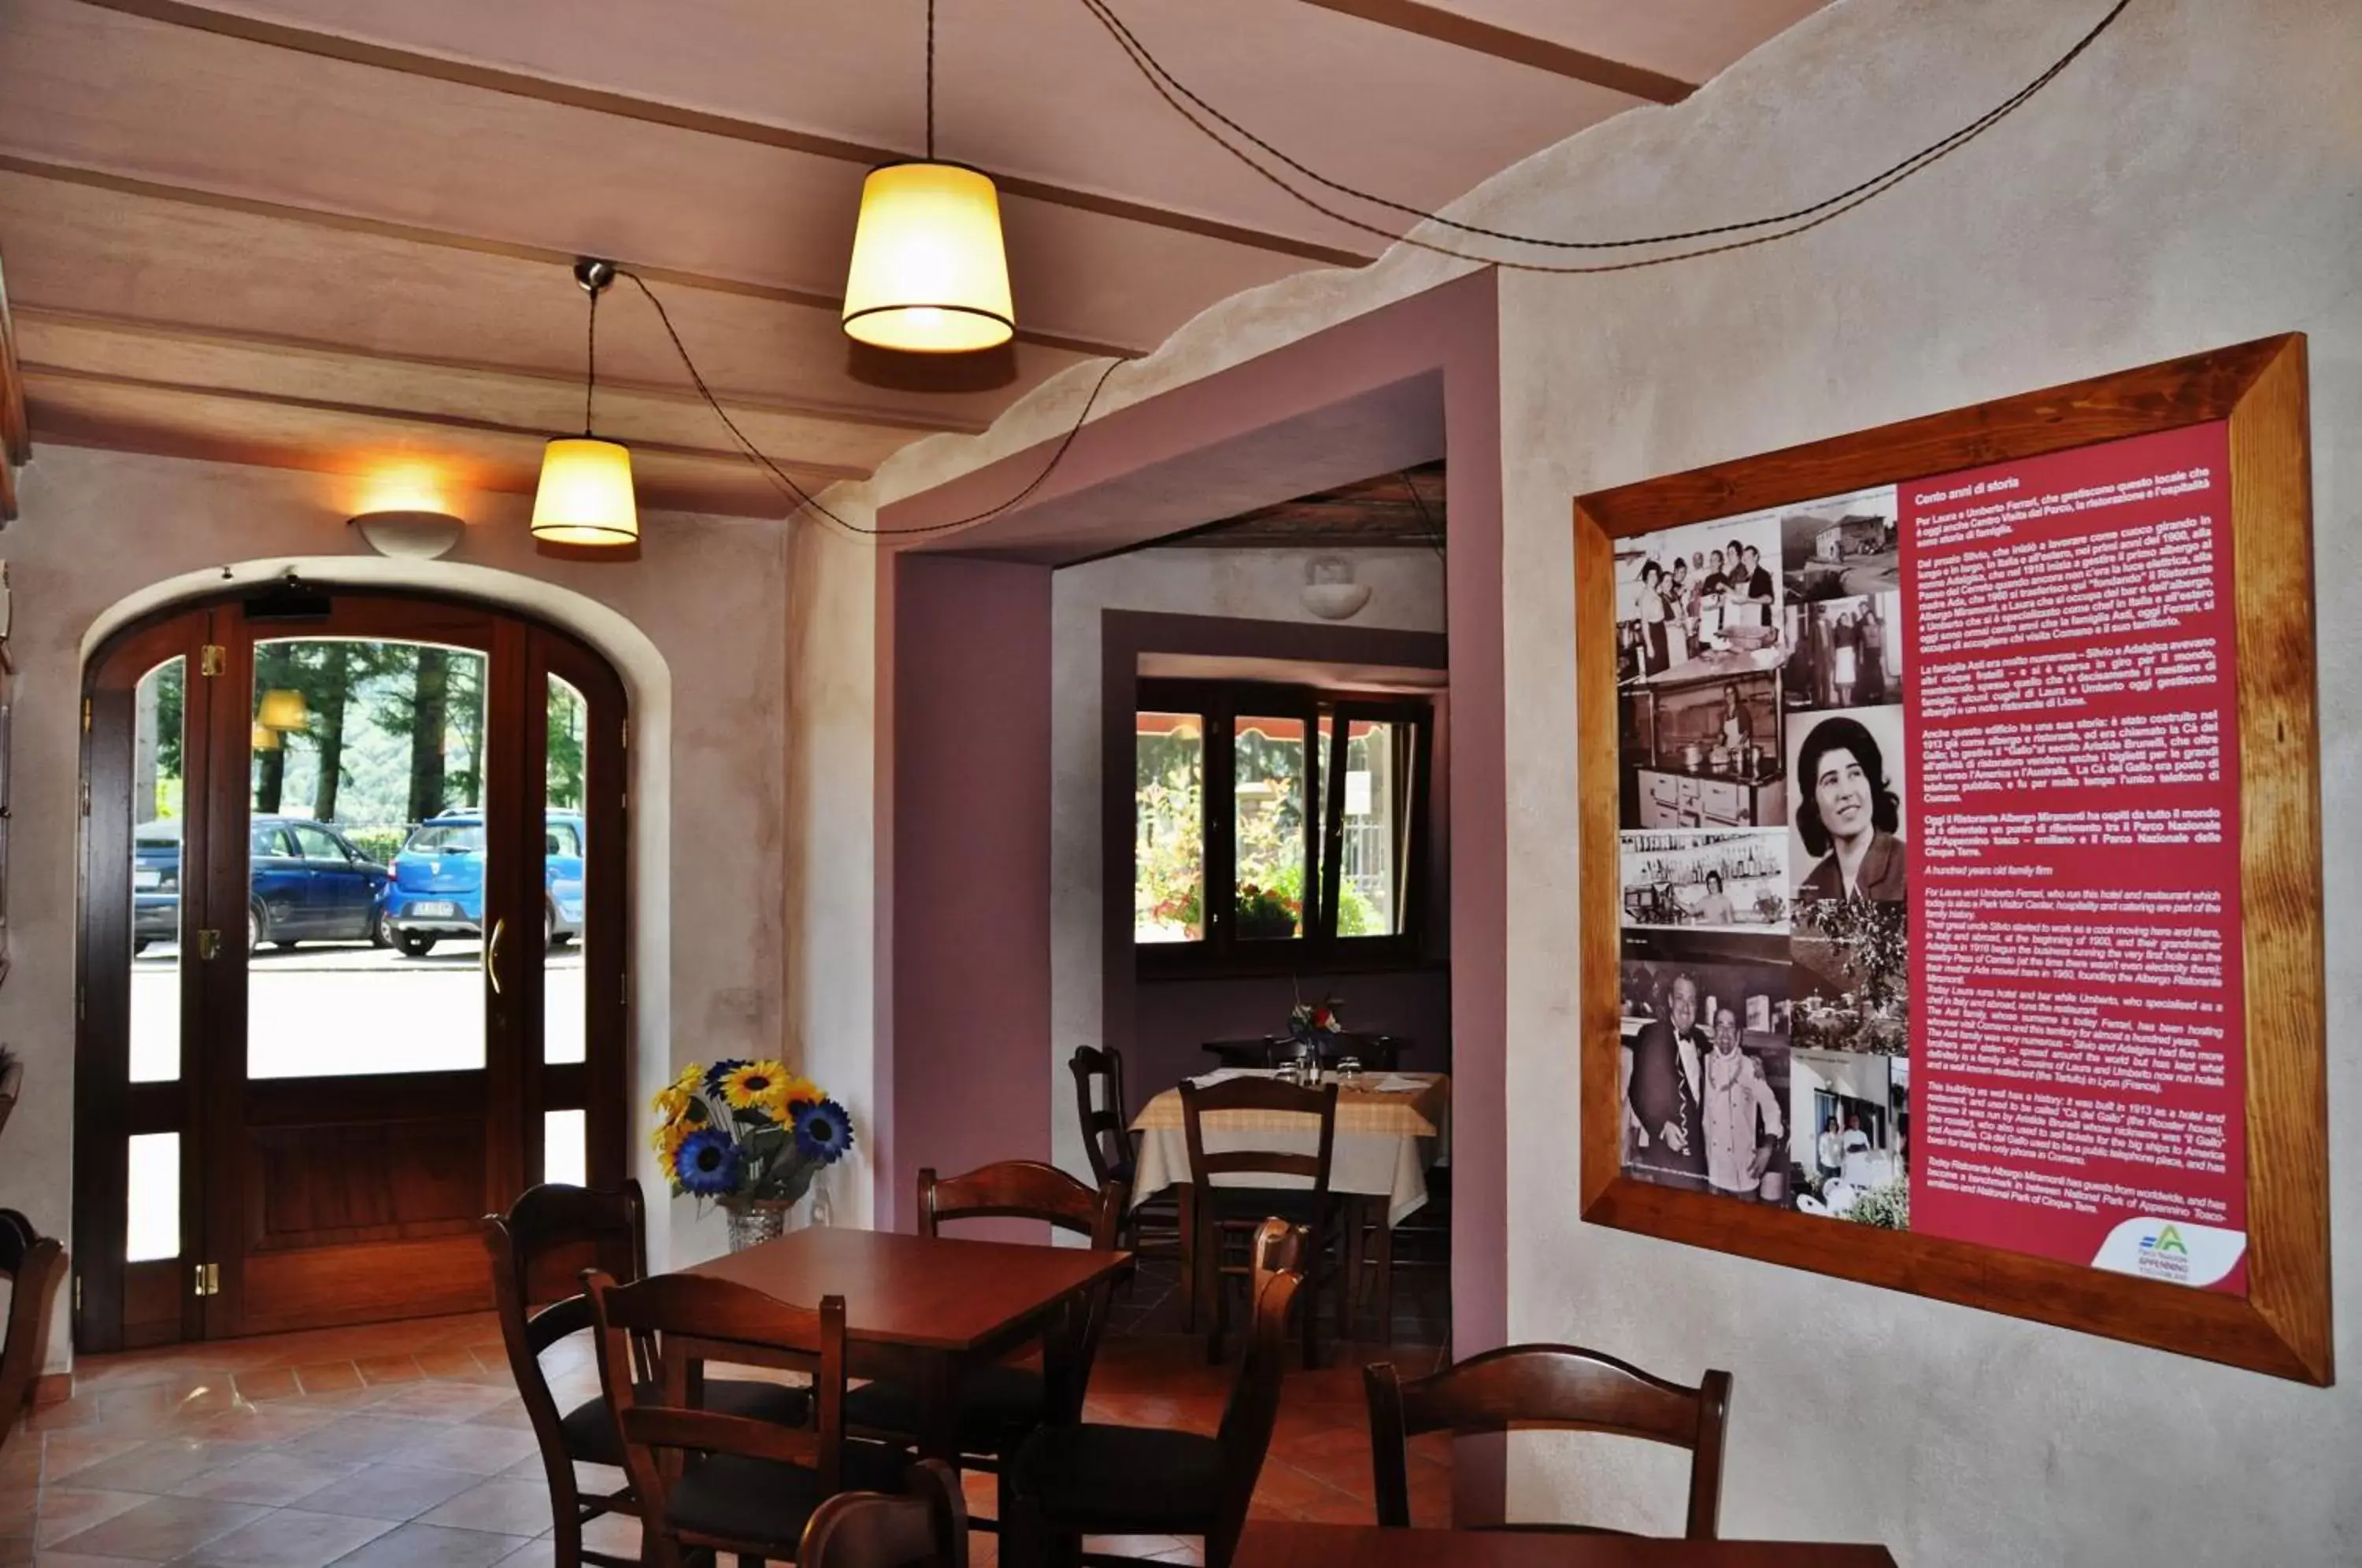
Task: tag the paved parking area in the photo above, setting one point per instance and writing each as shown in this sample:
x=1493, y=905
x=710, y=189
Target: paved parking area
x=340, y=1009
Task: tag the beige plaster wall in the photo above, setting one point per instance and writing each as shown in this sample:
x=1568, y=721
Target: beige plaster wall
x=1407, y=594
x=2194, y=181
x=693, y=627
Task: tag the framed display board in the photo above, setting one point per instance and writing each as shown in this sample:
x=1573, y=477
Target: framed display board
x=1951, y=860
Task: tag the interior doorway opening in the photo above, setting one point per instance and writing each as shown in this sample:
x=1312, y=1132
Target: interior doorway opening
x=352, y=965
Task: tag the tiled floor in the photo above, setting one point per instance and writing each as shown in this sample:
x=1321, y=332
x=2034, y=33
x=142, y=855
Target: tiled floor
x=406, y=1443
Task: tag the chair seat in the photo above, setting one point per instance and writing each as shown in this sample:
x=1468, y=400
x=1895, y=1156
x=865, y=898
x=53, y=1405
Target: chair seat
x=589, y=1431
x=742, y=1499
x=998, y=1405
x=1107, y=1480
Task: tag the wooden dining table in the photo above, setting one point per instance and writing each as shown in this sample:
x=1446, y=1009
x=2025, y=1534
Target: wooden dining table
x=1274, y=1544
x=925, y=1311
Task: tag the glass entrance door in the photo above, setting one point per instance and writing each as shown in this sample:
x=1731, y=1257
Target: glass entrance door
x=371, y=960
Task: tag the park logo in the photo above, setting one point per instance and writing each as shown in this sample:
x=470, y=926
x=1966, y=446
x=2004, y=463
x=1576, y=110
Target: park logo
x=2175, y=1251
x=2165, y=1256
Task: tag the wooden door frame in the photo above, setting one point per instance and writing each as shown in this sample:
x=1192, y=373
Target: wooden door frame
x=208, y=1104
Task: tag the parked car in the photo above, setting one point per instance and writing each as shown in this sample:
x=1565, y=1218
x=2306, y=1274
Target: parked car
x=305, y=881
x=438, y=881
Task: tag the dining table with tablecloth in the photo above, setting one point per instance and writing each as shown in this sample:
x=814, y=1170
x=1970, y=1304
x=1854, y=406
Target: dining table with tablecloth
x=1390, y=1128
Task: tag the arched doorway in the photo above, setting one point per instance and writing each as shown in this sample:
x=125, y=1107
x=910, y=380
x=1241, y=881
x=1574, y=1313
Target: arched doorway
x=352, y=956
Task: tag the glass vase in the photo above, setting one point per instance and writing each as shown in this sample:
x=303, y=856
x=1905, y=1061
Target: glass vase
x=751, y=1221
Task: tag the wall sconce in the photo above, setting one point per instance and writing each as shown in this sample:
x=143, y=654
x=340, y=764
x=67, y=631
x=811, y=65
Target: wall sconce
x=265, y=738
x=1330, y=590
x=408, y=533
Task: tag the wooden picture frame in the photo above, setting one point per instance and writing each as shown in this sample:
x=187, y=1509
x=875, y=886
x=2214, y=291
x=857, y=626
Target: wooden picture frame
x=2282, y=1325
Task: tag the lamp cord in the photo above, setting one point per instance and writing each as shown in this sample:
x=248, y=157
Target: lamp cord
x=804, y=498
x=1173, y=90
x=930, y=80
x=590, y=381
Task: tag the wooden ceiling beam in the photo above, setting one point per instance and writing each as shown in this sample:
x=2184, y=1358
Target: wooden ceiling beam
x=823, y=472
x=522, y=84
x=1520, y=49
x=16, y=429
x=916, y=421
x=415, y=234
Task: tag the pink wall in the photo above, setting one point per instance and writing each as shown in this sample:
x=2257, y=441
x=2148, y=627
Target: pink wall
x=970, y=960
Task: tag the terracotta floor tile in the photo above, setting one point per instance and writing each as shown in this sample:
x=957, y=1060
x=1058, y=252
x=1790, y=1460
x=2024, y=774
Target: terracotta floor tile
x=390, y=1492
x=328, y=1377
x=273, y=1478
x=440, y=1401
x=64, y=1453
x=482, y=1451
x=447, y=1361
x=501, y=1506
x=161, y=1529
x=287, y=1537
x=66, y=1511
x=158, y=1466
x=395, y=1367
x=431, y=1546
x=267, y=1382
x=365, y=1436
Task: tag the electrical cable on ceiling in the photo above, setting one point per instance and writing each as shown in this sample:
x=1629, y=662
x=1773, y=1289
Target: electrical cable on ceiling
x=1426, y=518
x=1787, y=225
x=804, y=498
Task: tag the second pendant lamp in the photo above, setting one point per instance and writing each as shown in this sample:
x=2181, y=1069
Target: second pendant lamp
x=929, y=273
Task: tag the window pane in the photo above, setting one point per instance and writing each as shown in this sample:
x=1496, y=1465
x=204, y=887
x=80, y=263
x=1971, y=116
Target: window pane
x=1370, y=894
x=156, y=808
x=1270, y=824
x=366, y=891
x=1169, y=828
x=153, y=1219
x=564, y=881
x=564, y=1147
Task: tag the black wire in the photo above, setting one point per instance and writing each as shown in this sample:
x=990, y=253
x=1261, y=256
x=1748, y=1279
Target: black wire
x=930, y=80
x=1173, y=90
x=803, y=497
x=590, y=380
x=1426, y=519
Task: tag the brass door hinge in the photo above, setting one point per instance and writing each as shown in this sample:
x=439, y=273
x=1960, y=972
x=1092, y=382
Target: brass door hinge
x=212, y=660
x=208, y=944
x=208, y=1279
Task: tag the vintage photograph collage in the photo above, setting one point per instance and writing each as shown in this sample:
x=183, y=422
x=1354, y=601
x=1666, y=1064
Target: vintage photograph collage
x=1765, y=948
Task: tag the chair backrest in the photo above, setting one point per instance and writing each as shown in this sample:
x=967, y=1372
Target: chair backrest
x=1560, y=1386
x=1098, y=1100
x=1253, y=1407
x=1029, y=1190
x=663, y=1416
x=927, y=1524
x=35, y=1266
x=538, y=1250
x=1318, y=1105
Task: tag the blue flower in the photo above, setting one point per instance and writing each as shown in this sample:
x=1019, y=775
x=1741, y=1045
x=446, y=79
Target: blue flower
x=823, y=1131
x=706, y=1163
x=722, y=1069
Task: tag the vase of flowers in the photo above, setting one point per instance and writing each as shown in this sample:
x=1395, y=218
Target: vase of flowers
x=1307, y=1021
x=753, y=1138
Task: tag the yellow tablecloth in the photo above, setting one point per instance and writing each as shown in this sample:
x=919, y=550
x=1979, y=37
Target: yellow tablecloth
x=1390, y=1128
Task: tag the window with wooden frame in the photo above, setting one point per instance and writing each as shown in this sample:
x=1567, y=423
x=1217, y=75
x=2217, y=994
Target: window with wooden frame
x=1276, y=828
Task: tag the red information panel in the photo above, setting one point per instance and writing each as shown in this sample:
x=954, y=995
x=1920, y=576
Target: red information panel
x=2077, y=1089
x=1928, y=813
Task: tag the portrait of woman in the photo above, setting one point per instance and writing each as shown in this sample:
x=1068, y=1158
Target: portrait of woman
x=1849, y=813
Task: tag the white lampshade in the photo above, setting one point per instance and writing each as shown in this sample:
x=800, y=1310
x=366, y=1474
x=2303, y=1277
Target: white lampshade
x=585, y=496
x=928, y=274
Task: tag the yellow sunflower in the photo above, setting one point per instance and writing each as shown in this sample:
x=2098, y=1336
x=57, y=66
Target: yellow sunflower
x=753, y=1086
x=795, y=1087
x=666, y=1141
x=672, y=1100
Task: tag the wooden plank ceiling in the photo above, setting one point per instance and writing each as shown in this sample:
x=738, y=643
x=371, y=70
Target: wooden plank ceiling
x=332, y=234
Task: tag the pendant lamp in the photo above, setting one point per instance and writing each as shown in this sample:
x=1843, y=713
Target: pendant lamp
x=585, y=495
x=929, y=273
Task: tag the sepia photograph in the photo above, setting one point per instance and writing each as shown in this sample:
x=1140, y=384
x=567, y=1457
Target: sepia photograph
x=1688, y=592
x=1703, y=1072
x=1705, y=879
x=1843, y=547
x=1851, y=976
x=1849, y=1139
x=1847, y=834
x=1844, y=653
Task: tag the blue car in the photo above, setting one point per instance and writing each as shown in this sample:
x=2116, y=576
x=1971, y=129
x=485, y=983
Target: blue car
x=305, y=882
x=438, y=881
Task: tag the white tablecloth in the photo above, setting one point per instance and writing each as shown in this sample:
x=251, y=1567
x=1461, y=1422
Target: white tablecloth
x=1388, y=1132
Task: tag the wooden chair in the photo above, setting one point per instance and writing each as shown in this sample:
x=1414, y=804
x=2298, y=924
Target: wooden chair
x=708, y=1480
x=1153, y=1228
x=538, y=1250
x=34, y=1265
x=1232, y=1212
x=1559, y=1386
x=1069, y=1482
x=999, y=1406
x=874, y=1529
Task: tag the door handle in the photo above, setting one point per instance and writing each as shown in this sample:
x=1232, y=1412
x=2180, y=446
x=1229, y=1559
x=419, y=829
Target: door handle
x=492, y=955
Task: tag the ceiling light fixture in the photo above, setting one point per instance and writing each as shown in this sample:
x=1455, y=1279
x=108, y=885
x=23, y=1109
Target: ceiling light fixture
x=929, y=272
x=585, y=495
